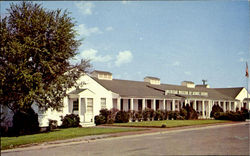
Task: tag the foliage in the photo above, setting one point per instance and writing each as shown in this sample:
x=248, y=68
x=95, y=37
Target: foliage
x=52, y=124
x=70, y=120
x=233, y=116
x=146, y=114
x=163, y=126
x=215, y=108
x=159, y=115
x=138, y=115
x=191, y=113
x=36, y=48
x=99, y=119
x=25, y=122
x=122, y=117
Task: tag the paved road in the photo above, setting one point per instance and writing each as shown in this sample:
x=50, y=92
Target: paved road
x=214, y=140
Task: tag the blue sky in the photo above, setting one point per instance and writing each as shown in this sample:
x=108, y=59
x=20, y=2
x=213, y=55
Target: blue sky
x=174, y=41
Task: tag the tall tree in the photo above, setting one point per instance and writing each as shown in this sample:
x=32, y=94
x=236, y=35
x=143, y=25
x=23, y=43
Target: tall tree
x=36, y=48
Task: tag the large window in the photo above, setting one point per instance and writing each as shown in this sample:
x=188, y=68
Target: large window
x=103, y=103
x=89, y=105
x=75, y=105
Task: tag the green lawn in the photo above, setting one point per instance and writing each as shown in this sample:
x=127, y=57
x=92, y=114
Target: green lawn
x=11, y=142
x=169, y=123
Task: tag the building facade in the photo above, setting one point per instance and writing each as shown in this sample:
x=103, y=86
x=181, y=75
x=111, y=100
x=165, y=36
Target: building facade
x=99, y=90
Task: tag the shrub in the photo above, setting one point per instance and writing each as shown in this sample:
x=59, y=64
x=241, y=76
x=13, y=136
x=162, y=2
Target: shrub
x=105, y=113
x=133, y=116
x=184, y=113
x=191, y=113
x=151, y=114
x=122, y=117
x=215, y=108
x=170, y=115
x=158, y=115
x=163, y=126
x=70, y=120
x=138, y=115
x=233, y=116
x=165, y=116
x=25, y=122
x=99, y=119
x=146, y=114
x=52, y=124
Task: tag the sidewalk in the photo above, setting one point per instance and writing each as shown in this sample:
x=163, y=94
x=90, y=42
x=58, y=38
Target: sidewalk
x=87, y=139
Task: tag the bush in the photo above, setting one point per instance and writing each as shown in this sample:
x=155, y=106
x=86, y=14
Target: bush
x=191, y=113
x=138, y=115
x=146, y=114
x=105, y=113
x=233, y=116
x=215, y=108
x=122, y=117
x=163, y=126
x=99, y=119
x=184, y=113
x=151, y=114
x=158, y=115
x=70, y=120
x=25, y=122
x=52, y=124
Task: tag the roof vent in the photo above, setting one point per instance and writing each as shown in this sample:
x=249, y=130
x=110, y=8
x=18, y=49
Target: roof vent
x=152, y=80
x=188, y=84
x=103, y=75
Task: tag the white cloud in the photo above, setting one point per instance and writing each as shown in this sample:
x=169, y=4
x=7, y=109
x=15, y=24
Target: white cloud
x=187, y=72
x=85, y=31
x=176, y=63
x=124, y=2
x=242, y=59
x=92, y=55
x=109, y=28
x=85, y=7
x=123, y=57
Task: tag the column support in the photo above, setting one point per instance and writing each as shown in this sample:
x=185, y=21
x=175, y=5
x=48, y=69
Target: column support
x=154, y=105
x=132, y=104
x=143, y=103
x=119, y=103
x=203, y=110
x=173, y=105
x=164, y=104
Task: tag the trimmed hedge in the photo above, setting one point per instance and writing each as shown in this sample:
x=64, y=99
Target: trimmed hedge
x=70, y=120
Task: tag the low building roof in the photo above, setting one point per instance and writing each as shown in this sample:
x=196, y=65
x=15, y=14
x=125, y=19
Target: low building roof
x=140, y=89
x=232, y=92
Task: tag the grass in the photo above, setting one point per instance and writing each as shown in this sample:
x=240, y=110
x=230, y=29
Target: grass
x=60, y=134
x=169, y=123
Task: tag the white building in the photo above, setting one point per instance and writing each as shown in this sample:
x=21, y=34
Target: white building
x=99, y=90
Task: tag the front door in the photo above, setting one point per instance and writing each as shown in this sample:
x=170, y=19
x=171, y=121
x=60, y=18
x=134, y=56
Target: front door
x=89, y=111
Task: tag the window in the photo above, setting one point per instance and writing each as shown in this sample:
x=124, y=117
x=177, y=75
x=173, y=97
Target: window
x=122, y=104
x=196, y=93
x=75, y=105
x=89, y=105
x=103, y=103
